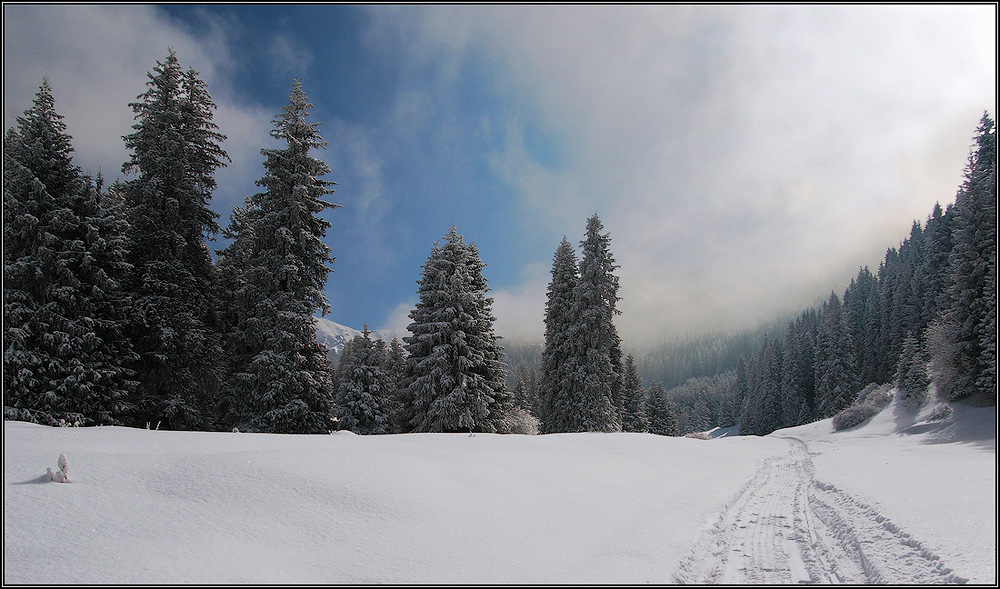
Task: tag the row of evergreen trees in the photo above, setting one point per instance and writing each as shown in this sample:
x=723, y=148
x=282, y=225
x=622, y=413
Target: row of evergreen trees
x=927, y=315
x=451, y=377
x=114, y=312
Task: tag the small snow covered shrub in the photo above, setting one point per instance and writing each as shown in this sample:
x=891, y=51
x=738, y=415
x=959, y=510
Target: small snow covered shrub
x=872, y=399
x=941, y=411
x=698, y=436
x=854, y=415
x=877, y=395
x=61, y=475
x=519, y=421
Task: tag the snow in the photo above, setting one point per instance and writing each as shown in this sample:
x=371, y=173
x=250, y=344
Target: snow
x=184, y=507
x=936, y=480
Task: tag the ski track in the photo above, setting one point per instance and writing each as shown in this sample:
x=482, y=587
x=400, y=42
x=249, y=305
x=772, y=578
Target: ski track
x=784, y=526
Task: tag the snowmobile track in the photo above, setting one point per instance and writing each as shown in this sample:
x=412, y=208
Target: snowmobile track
x=784, y=526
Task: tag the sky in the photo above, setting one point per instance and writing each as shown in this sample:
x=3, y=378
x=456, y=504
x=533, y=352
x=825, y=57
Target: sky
x=745, y=160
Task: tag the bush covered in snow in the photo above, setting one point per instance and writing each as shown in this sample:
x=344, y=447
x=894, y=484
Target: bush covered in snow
x=61, y=475
x=941, y=411
x=519, y=421
x=872, y=399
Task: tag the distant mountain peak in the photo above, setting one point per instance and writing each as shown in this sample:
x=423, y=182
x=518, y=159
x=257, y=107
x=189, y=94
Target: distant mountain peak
x=334, y=335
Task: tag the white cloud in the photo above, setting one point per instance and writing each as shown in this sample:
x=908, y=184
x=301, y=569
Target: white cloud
x=520, y=311
x=97, y=58
x=745, y=159
x=399, y=319
x=286, y=58
x=357, y=167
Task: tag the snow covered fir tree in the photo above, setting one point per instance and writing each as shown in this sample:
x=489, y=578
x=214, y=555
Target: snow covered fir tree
x=558, y=359
x=175, y=150
x=455, y=380
x=66, y=360
x=365, y=400
x=582, y=362
x=279, y=378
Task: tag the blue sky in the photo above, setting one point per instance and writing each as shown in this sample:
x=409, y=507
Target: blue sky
x=745, y=159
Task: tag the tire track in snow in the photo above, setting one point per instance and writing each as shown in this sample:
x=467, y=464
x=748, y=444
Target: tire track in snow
x=786, y=527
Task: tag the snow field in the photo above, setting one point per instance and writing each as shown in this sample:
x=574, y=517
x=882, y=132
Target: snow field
x=896, y=500
x=934, y=481
x=179, y=507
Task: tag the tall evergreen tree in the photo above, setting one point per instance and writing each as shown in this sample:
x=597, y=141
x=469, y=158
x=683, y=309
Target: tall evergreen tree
x=175, y=150
x=911, y=373
x=794, y=407
x=558, y=357
x=973, y=295
x=741, y=393
x=598, y=384
x=275, y=271
x=634, y=418
x=455, y=375
x=762, y=412
x=836, y=368
x=65, y=357
x=935, y=270
x=857, y=299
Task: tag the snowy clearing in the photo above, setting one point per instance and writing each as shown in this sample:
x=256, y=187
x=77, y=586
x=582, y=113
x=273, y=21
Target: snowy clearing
x=894, y=501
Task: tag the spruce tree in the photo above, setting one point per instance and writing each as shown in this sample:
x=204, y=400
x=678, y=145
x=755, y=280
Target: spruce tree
x=794, y=407
x=856, y=303
x=65, y=357
x=741, y=393
x=455, y=376
x=659, y=408
x=596, y=391
x=973, y=295
x=175, y=150
x=911, y=374
x=634, y=418
x=836, y=372
x=395, y=369
x=558, y=357
x=938, y=242
x=364, y=397
x=275, y=270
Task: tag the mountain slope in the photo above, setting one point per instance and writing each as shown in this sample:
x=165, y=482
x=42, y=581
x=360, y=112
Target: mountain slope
x=334, y=336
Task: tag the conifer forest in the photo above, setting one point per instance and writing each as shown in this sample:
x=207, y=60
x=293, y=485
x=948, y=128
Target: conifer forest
x=117, y=312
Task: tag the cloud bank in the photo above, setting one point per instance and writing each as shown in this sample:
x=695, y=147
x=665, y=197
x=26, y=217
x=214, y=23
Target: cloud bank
x=745, y=159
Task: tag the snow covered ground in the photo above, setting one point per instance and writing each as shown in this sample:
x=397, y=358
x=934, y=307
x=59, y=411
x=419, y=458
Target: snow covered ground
x=890, y=501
